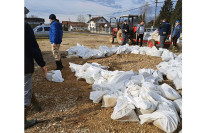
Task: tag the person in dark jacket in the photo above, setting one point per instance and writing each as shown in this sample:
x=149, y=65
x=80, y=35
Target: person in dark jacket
x=125, y=31
x=140, y=33
x=32, y=52
x=176, y=33
x=55, y=37
x=164, y=31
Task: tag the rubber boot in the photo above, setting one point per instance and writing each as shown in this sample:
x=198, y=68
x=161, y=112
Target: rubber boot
x=28, y=123
x=61, y=64
x=58, y=64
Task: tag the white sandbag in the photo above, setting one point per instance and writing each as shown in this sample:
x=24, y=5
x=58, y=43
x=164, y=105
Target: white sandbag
x=97, y=96
x=135, y=51
x=136, y=79
x=149, y=71
x=178, y=83
x=158, y=75
x=172, y=75
x=55, y=75
x=166, y=56
x=178, y=105
x=150, y=87
x=124, y=111
x=109, y=101
x=164, y=118
x=145, y=105
x=168, y=92
x=132, y=89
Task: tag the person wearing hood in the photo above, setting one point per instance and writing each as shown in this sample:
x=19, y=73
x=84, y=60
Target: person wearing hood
x=125, y=31
x=55, y=37
x=176, y=33
x=140, y=33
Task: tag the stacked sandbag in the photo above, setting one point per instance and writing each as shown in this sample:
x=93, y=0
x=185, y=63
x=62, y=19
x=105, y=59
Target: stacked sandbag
x=132, y=94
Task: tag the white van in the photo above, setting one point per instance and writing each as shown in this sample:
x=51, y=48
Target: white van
x=41, y=31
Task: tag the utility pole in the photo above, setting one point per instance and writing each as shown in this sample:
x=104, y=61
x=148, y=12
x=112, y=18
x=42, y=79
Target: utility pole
x=155, y=13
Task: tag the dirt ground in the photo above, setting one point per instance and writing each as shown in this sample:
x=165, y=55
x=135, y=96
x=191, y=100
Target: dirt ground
x=66, y=106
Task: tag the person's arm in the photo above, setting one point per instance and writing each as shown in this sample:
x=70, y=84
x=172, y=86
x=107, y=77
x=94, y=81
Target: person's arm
x=178, y=30
x=34, y=48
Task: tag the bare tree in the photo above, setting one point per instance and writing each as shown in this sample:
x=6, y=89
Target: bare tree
x=81, y=18
x=145, y=12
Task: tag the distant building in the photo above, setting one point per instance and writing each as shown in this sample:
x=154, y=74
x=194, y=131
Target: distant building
x=33, y=21
x=74, y=26
x=98, y=24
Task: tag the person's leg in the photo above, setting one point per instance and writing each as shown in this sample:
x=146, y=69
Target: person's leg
x=123, y=36
x=161, y=41
x=56, y=54
x=141, y=39
x=126, y=40
x=138, y=37
x=27, y=100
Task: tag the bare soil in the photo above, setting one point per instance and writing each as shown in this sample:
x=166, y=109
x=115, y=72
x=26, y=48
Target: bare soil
x=66, y=106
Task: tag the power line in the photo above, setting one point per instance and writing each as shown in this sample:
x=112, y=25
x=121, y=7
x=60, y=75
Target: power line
x=129, y=9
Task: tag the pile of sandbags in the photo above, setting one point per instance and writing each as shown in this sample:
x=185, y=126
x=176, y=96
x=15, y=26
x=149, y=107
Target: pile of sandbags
x=172, y=69
x=133, y=94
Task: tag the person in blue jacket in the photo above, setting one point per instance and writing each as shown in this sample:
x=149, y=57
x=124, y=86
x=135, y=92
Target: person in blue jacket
x=176, y=33
x=164, y=31
x=55, y=37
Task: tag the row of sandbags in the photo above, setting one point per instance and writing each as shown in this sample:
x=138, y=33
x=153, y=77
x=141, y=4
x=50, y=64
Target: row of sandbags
x=171, y=65
x=103, y=51
x=134, y=96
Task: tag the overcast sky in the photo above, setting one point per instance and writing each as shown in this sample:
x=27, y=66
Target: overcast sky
x=70, y=9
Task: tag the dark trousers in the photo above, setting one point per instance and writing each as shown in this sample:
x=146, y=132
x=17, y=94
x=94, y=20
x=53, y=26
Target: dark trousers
x=125, y=38
x=162, y=41
x=174, y=39
x=141, y=39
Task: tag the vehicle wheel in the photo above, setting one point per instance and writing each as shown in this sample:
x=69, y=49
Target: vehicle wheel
x=151, y=43
x=119, y=36
x=111, y=39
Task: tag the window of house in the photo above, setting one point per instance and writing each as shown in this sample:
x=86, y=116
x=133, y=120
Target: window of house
x=40, y=29
x=46, y=28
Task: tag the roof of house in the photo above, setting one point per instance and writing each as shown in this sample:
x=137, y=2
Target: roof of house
x=95, y=19
x=75, y=24
x=26, y=11
x=34, y=19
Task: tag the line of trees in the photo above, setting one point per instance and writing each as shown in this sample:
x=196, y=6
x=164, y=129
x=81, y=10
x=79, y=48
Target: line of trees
x=170, y=13
x=167, y=11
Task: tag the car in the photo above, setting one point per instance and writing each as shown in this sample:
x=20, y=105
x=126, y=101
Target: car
x=41, y=31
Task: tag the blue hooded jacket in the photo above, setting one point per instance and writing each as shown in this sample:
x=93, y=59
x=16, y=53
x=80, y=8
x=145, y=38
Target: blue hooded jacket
x=164, y=29
x=177, y=31
x=55, y=33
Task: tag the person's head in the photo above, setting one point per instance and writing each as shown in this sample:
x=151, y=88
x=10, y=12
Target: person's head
x=52, y=17
x=177, y=22
x=125, y=21
x=164, y=20
x=142, y=23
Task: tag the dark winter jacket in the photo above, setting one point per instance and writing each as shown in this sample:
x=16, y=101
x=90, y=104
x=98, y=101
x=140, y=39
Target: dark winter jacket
x=125, y=27
x=164, y=29
x=177, y=31
x=55, y=32
x=31, y=50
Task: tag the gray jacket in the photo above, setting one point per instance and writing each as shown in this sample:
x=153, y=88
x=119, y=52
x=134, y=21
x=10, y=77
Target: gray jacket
x=140, y=29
